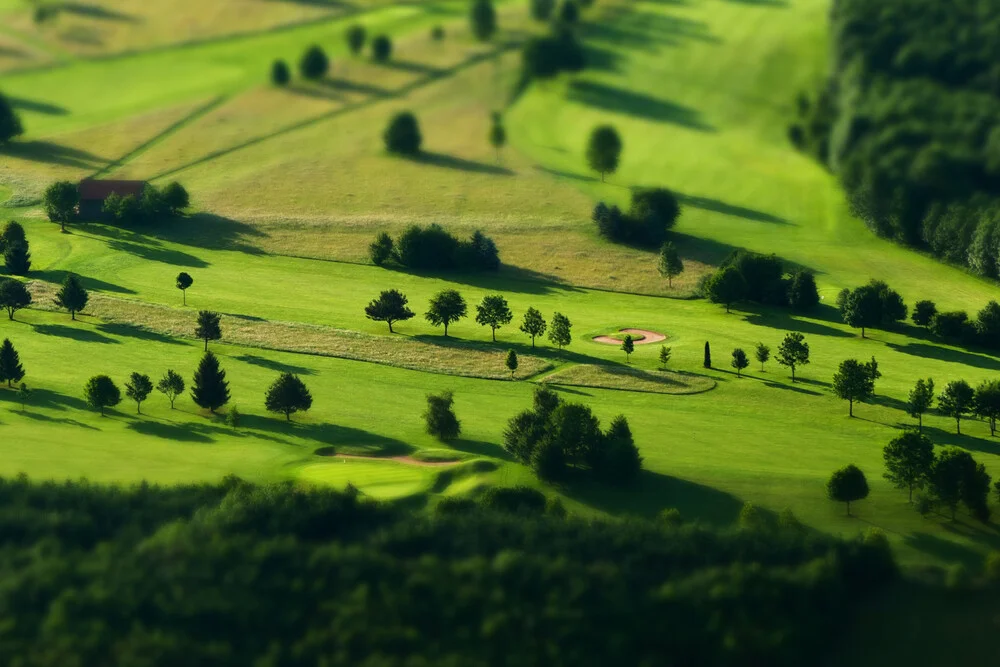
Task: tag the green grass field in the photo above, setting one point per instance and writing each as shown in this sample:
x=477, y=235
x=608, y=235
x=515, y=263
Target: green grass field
x=291, y=185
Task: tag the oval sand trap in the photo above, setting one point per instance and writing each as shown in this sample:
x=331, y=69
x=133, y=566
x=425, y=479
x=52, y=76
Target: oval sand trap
x=647, y=337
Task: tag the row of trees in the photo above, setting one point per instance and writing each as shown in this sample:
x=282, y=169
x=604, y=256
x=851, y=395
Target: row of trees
x=314, y=64
x=957, y=327
x=748, y=276
x=652, y=213
x=62, y=198
x=433, y=248
x=72, y=296
x=958, y=400
x=793, y=352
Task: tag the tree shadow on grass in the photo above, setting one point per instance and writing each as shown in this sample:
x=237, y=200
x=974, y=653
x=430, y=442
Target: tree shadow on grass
x=58, y=276
x=33, y=106
x=521, y=348
x=178, y=432
x=343, y=439
x=155, y=253
x=480, y=448
x=639, y=105
x=73, y=333
x=52, y=153
x=509, y=278
x=46, y=399
x=272, y=365
x=950, y=438
x=131, y=331
x=347, y=86
x=783, y=320
x=414, y=67
x=91, y=11
x=702, y=250
x=953, y=552
x=947, y=354
x=771, y=383
x=566, y=174
x=719, y=206
x=201, y=230
x=37, y=416
x=460, y=164
x=762, y=3
x=635, y=29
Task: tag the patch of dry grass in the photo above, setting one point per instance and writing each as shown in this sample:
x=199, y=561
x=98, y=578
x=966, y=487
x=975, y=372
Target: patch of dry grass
x=626, y=378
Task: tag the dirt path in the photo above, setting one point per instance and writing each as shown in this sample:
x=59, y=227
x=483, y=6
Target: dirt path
x=648, y=337
x=401, y=459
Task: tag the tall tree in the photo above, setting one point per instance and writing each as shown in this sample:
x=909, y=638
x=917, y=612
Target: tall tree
x=10, y=122
x=13, y=296
x=138, y=388
x=628, y=347
x=957, y=400
x=101, y=392
x=803, y=294
x=17, y=257
x=847, y=485
x=620, y=461
x=60, y=201
x=210, y=389
x=707, y=361
x=446, y=307
x=483, y=19
x=184, y=281
x=511, y=362
x=664, y=356
x=171, y=385
x=72, y=296
x=533, y=324
x=762, y=353
x=175, y=198
x=853, y=382
x=793, y=351
x=986, y=403
x=739, y=361
x=288, y=395
x=209, y=326
x=920, y=400
x=923, y=313
x=493, y=312
x=389, y=307
x=604, y=150
x=670, y=264
x=11, y=369
x=726, y=286
x=560, y=330
x=908, y=460
x=356, y=36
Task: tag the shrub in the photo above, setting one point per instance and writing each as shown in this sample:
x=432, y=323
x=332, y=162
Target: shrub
x=653, y=211
x=923, y=313
x=381, y=48
x=402, y=136
x=953, y=325
x=356, y=36
x=433, y=248
x=280, y=74
x=381, y=249
x=440, y=418
x=314, y=63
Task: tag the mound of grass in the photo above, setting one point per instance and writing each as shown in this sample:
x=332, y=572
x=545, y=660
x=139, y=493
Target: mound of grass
x=627, y=378
x=379, y=479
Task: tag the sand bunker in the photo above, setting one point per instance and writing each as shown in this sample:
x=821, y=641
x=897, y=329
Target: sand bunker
x=647, y=337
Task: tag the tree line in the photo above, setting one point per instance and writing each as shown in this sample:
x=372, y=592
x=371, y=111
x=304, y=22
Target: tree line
x=432, y=248
x=762, y=279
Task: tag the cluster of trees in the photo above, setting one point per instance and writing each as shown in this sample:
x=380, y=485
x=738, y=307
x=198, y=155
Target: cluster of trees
x=554, y=435
x=651, y=214
x=958, y=400
x=314, y=64
x=285, y=575
x=10, y=122
x=749, y=276
x=871, y=306
x=432, y=248
x=62, y=198
x=357, y=36
x=911, y=127
x=15, y=249
x=545, y=56
x=957, y=327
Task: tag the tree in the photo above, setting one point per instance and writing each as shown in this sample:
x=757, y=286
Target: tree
x=920, y=400
x=389, y=307
x=873, y=372
x=923, y=313
x=23, y=394
x=569, y=12
x=533, y=324
x=101, y=392
x=707, y=361
x=13, y=232
x=314, y=64
x=726, y=286
x=446, y=307
x=13, y=296
x=986, y=403
x=138, y=388
x=356, y=36
x=17, y=258
x=10, y=123
x=498, y=135
x=440, y=417
x=872, y=305
x=541, y=10
x=288, y=395
x=171, y=385
x=280, y=74
x=670, y=264
x=952, y=479
x=381, y=249
x=852, y=382
x=483, y=19
x=793, y=351
x=210, y=389
x=908, y=460
x=175, y=198
x=956, y=401
x=209, y=327
x=604, y=150
x=803, y=294
x=402, y=136
x=72, y=296
x=60, y=201
x=559, y=331
x=628, y=347
x=847, y=485
x=437, y=33
x=493, y=312
x=740, y=361
x=988, y=325
x=762, y=353
x=511, y=362
x=11, y=369
x=620, y=461
x=664, y=356
x=381, y=49
x=184, y=281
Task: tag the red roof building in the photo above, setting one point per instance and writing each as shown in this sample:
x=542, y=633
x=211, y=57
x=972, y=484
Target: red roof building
x=93, y=192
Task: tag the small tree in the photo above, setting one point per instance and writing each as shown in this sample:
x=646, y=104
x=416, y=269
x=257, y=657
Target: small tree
x=11, y=369
x=670, y=264
x=138, y=388
x=847, y=485
x=664, y=356
x=986, y=403
x=923, y=313
x=908, y=460
x=604, y=150
x=288, y=395
x=17, y=258
x=72, y=296
x=402, y=136
x=511, y=362
x=101, y=393
x=533, y=324
x=920, y=400
x=13, y=296
x=437, y=33
x=171, y=385
x=793, y=351
x=381, y=249
x=233, y=417
x=23, y=395
x=209, y=327
x=10, y=123
x=493, y=312
x=707, y=361
x=280, y=74
x=175, y=198
x=446, y=307
x=498, y=135
x=184, y=281
x=440, y=417
x=356, y=36
x=210, y=389
x=483, y=19
x=852, y=382
x=60, y=201
x=740, y=361
x=762, y=353
x=560, y=330
x=389, y=307
x=381, y=49
x=628, y=347
x=726, y=286
x=956, y=401
x=314, y=64
x=541, y=10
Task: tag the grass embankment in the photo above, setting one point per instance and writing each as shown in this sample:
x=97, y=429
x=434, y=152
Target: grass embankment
x=630, y=379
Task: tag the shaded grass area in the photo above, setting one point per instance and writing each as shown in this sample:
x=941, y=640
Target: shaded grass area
x=626, y=378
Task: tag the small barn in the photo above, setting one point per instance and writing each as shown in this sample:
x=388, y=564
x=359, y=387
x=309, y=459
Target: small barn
x=93, y=193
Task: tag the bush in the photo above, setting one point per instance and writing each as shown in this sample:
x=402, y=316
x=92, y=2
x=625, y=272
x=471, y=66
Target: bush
x=402, y=136
x=356, y=36
x=437, y=33
x=440, y=417
x=763, y=277
x=670, y=517
x=314, y=64
x=653, y=211
x=433, y=248
x=381, y=249
x=381, y=48
x=953, y=325
x=280, y=74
